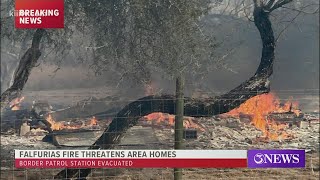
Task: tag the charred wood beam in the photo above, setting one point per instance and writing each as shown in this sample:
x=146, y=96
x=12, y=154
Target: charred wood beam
x=101, y=108
x=21, y=75
x=131, y=113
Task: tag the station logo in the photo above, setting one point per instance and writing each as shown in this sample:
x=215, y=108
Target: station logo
x=39, y=13
x=276, y=158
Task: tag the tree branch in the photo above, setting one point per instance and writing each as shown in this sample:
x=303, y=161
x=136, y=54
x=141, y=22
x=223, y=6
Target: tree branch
x=302, y=11
x=270, y=4
x=279, y=4
x=21, y=75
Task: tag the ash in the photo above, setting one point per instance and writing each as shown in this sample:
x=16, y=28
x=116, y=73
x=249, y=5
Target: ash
x=237, y=134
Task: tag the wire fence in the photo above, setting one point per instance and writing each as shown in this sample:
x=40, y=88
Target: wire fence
x=161, y=136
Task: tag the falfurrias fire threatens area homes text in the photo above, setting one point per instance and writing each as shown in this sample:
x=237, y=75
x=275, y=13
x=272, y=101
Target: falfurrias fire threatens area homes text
x=159, y=158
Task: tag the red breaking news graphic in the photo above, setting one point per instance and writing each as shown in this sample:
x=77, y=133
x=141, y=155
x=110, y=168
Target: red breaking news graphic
x=39, y=13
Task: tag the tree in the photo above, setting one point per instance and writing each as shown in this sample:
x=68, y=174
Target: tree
x=42, y=41
x=145, y=35
x=177, y=35
x=27, y=62
x=257, y=84
x=125, y=39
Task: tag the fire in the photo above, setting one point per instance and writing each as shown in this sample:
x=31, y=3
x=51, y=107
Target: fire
x=168, y=119
x=55, y=126
x=58, y=125
x=93, y=121
x=15, y=104
x=259, y=107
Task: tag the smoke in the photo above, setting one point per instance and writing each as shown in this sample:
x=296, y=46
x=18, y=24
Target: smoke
x=296, y=67
x=9, y=62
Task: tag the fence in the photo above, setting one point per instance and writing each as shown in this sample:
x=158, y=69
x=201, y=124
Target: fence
x=160, y=135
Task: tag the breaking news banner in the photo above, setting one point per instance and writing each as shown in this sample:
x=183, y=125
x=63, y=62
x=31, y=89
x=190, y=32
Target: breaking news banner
x=39, y=13
x=159, y=158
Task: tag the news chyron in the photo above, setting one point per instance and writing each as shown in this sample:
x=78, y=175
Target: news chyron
x=160, y=158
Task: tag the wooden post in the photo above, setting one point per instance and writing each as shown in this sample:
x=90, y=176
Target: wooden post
x=178, y=133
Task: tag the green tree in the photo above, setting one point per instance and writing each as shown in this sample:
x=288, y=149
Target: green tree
x=151, y=35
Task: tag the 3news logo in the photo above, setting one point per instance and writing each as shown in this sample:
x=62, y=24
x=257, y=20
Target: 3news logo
x=276, y=158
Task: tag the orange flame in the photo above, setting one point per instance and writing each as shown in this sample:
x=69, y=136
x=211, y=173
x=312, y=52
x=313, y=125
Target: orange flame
x=55, y=126
x=168, y=119
x=259, y=107
x=15, y=104
x=93, y=121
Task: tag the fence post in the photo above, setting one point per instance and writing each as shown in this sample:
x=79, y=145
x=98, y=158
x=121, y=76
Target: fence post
x=178, y=133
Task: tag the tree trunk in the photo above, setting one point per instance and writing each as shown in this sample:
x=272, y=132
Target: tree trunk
x=178, y=128
x=130, y=114
x=21, y=75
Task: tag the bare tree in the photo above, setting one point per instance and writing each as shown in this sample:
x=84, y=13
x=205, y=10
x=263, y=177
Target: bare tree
x=257, y=84
x=42, y=41
x=21, y=75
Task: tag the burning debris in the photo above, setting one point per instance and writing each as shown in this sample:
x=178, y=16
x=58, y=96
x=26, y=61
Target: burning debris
x=38, y=120
x=167, y=120
x=272, y=120
x=16, y=103
x=265, y=111
x=83, y=124
x=74, y=132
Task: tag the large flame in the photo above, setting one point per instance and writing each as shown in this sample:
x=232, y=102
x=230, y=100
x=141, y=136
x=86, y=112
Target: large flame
x=15, y=104
x=259, y=107
x=55, y=126
x=168, y=119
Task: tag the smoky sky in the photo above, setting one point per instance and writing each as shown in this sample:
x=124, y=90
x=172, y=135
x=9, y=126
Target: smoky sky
x=296, y=64
x=296, y=56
